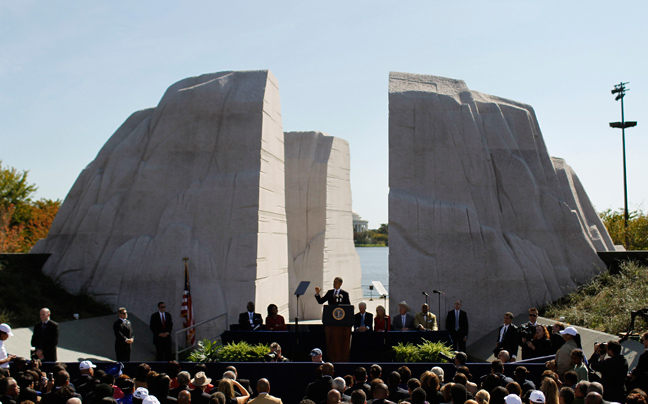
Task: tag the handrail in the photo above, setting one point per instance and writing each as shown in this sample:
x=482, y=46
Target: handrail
x=195, y=326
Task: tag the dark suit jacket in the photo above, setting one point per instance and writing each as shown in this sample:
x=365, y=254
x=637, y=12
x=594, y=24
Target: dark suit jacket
x=330, y=298
x=397, y=393
x=156, y=325
x=244, y=321
x=368, y=321
x=509, y=342
x=46, y=339
x=198, y=396
x=123, y=331
x=463, y=323
x=318, y=390
x=397, y=323
x=175, y=391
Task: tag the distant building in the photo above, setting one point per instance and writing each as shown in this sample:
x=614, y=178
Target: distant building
x=359, y=224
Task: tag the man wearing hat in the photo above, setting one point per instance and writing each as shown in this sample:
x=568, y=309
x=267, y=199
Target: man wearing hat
x=316, y=355
x=537, y=397
x=563, y=356
x=403, y=321
x=200, y=382
x=5, y=333
x=86, y=382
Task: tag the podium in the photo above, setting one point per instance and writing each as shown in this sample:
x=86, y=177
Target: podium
x=338, y=320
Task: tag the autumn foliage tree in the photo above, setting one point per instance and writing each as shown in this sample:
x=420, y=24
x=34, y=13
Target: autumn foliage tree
x=637, y=228
x=22, y=221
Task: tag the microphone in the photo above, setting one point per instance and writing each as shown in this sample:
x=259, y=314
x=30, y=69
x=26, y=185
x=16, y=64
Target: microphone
x=439, y=292
x=425, y=293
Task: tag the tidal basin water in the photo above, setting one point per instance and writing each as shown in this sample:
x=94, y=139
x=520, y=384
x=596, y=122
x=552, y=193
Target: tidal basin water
x=375, y=267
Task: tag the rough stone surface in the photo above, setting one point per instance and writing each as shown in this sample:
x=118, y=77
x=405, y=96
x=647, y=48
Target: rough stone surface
x=320, y=225
x=202, y=176
x=477, y=208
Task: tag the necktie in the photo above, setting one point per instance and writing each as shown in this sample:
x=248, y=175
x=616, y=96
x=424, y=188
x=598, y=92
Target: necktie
x=456, y=320
x=362, y=320
x=503, y=332
x=163, y=322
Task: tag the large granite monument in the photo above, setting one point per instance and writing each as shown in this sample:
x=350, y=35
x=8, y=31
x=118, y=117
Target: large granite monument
x=477, y=207
x=318, y=208
x=202, y=176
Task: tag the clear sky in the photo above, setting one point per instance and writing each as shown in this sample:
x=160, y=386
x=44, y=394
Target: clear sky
x=71, y=72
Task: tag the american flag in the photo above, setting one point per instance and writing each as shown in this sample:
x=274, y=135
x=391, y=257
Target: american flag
x=187, y=308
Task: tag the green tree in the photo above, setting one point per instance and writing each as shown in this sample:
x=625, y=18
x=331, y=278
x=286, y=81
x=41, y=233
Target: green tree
x=384, y=229
x=637, y=228
x=16, y=191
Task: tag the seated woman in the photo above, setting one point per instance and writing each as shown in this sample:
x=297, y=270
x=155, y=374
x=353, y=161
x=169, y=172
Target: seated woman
x=274, y=322
x=381, y=321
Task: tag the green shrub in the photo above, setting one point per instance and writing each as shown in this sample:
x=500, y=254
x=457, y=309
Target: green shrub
x=208, y=351
x=424, y=352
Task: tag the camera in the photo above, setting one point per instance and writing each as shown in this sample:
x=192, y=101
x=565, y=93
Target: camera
x=527, y=331
x=602, y=346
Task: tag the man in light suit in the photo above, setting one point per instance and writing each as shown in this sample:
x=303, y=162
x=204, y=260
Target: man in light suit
x=457, y=326
x=363, y=320
x=403, y=321
x=425, y=320
x=264, y=397
x=45, y=337
x=161, y=325
x=334, y=296
x=249, y=320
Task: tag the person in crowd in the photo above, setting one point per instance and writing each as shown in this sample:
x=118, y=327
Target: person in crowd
x=504, y=356
x=363, y=320
x=396, y=393
x=512, y=398
x=418, y=396
x=577, y=359
x=275, y=354
x=425, y=320
x=142, y=372
x=381, y=321
x=470, y=386
x=316, y=355
x=184, y=397
x=62, y=390
x=201, y=385
x=5, y=358
x=549, y=388
x=432, y=386
x=457, y=326
x=507, y=338
x=86, y=381
x=339, y=384
x=403, y=321
x=482, y=397
x=264, y=397
x=375, y=371
x=45, y=337
x=360, y=381
x=358, y=397
x=333, y=397
x=226, y=386
x=161, y=325
x=380, y=394
x=593, y=398
x=570, y=379
x=539, y=345
x=613, y=367
x=127, y=386
x=458, y=393
x=333, y=296
x=9, y=390
x=638, y=377
x=563, y=356
x=183, y=384
x=249, y=320
x=566, y=395
x=275, y=322
x=520, y=376
x=317, y=390
x=580, y=391
x=123, y=336
x=514, y=388
x=537, y=397
x=556, y=339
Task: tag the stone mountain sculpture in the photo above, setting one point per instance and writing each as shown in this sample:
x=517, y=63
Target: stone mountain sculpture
x=477, y=207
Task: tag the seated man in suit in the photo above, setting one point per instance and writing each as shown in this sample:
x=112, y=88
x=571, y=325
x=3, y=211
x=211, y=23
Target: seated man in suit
x=403, y=321
x=363, y=320
x=425, y=321
x=334, y=296
x=249, y=320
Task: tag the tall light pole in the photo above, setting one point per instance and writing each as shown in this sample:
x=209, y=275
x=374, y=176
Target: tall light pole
x=620, y=90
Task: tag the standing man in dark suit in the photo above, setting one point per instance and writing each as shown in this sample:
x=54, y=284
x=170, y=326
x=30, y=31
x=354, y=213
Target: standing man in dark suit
x=334, y=296
x=123, y=336
x=45, y=337
x=249, y=320
x=161, y=325
x=457, y=326
x=363, y=320
x=507, y=338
